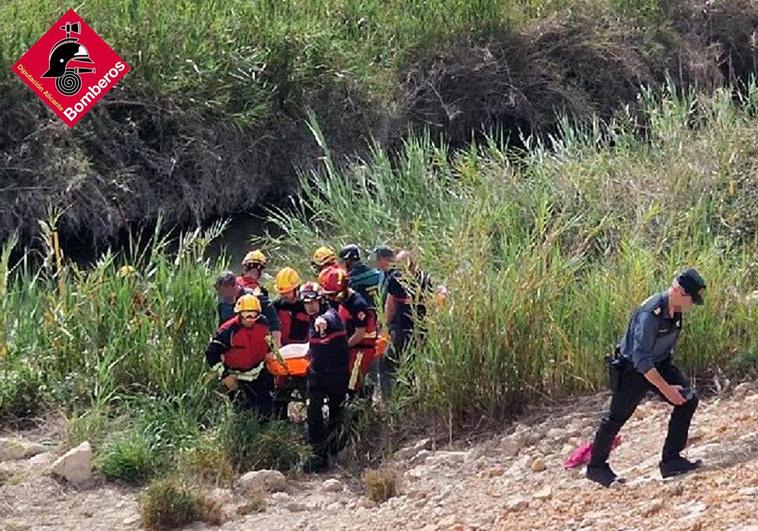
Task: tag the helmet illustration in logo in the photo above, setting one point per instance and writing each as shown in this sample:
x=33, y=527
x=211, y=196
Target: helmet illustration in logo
x=66, y=51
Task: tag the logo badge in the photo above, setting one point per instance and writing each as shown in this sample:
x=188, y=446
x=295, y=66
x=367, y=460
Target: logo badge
x=70, y=68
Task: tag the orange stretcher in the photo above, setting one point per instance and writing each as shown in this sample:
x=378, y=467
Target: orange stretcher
x=293, y=361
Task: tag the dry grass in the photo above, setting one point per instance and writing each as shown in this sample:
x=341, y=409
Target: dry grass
x=170, y=504
x=381, y=484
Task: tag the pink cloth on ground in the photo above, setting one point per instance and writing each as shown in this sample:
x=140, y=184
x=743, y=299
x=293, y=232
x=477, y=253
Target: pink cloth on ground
x=582, y=455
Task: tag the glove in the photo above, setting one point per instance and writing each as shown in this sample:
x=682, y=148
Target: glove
x=230, y=382
x=321, y=326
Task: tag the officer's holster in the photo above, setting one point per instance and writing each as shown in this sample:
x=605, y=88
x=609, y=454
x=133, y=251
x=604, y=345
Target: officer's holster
x=616, y=365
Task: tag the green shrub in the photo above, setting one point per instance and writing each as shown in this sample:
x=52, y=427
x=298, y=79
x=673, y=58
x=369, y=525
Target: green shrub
x=252, y=445
x=208, y=462
x=128, y=458
x=169, y=504
x=280, y=446
x=20, y=395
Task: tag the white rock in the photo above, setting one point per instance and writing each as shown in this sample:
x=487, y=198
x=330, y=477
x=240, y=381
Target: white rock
x=692, y=509
x=266, y=480
x=366, y=503
x=535, y=435
x=544, y=493
x=410, y=451
x=43, y=460
x=447, y=458
x=748, y=491
x=652, y=508
x=513, y=443
x=296, y=507
x=13, y=449
x=418, y=472
x=742, y=389
x=420, y=457
x=516, y=503
x=75, y=466
x=131, y=520
x=333, y=485
x=280, y=497
x=557, y=434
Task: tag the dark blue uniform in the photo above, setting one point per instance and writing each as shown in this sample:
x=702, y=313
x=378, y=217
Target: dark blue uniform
x=648, y=343
x=410, y=312
x=327, y=380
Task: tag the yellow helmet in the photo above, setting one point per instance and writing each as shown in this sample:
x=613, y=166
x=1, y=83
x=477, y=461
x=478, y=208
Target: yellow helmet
x=247, y=303
x=324, y=256
x=286, y=280
x=254, y=257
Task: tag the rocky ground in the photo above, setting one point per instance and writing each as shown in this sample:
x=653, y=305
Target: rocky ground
x=513, y=480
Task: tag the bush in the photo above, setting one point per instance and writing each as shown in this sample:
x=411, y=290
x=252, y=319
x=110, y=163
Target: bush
x=280, y=446
x=20, y=395
x=381, y=484
x=208, y=462
x=251, y=445
x=128, y=458
x=168, y=504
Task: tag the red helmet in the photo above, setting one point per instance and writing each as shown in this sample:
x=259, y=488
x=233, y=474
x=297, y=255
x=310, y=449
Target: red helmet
x=332, y=280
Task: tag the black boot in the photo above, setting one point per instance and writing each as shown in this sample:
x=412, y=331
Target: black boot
x=602, y=474
x=678, y=465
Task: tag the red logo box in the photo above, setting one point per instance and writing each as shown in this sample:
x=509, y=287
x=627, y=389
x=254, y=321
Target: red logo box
x=70, y=68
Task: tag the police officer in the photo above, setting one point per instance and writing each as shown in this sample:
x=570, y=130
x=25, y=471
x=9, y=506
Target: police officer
x=642, y=363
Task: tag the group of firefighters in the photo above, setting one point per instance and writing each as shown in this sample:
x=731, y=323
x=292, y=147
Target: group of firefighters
x=336, y=320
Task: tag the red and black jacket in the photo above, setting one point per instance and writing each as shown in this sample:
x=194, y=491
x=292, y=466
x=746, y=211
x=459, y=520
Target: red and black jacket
x=328, y=349
x=293, y=321
x=356, y=313
x=243, y=348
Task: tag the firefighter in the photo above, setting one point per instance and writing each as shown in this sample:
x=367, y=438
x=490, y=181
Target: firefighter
x=294, y=328
x=237, y=353
x=324, y=257
x=327, y=374
x=641, y=363
x=359, y=320
x=289, y=309
x=253, y=265
x=361, y=278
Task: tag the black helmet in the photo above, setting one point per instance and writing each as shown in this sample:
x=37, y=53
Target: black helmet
x=65, y=51
x=350, y=252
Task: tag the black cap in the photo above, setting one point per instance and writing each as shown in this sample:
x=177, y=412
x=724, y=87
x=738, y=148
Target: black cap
x=692, y=284
x=383, y=251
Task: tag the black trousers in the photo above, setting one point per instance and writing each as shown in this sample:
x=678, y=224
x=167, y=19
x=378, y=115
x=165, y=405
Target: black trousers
x=255, y=395
x=329, y=388
x=631, y=387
